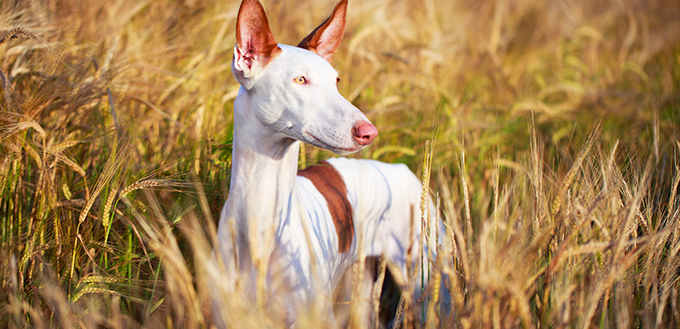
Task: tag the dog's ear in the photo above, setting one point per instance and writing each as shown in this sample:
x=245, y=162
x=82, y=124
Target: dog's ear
x=326, y=38
x=255, y=43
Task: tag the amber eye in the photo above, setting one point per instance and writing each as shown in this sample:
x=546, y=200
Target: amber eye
x=301, y=80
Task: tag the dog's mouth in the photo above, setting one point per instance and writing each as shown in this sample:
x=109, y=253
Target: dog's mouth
x=339, y=150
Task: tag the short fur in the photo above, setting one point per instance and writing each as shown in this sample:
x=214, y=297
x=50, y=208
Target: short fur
x=297, y=225
x=329, y=183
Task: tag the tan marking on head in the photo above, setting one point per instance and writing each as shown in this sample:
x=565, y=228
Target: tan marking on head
x=329, y=183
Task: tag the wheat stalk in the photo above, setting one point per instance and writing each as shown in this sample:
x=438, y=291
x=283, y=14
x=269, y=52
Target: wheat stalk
x=64, y=145
x=356, y=300
x=6, y=88
x=433, y=303
x=111, y=167
x=466, y=194
x=106, y=220
x=34, y=155
x=71, y=164
x=91, y=289
x=377, y=286
x=29, y=124
x=571, y=174
x=5, y=81
x=138, y=185
x=100, y=279
x=18, y=32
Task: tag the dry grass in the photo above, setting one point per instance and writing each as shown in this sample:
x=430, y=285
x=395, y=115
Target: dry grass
x=556, y=162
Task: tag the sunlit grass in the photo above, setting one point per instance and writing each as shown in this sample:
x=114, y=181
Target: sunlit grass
x=555, y=162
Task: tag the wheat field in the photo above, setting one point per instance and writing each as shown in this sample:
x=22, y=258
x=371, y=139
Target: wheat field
x=545, y=130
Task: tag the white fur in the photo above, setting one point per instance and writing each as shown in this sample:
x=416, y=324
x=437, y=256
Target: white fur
x=280, y=218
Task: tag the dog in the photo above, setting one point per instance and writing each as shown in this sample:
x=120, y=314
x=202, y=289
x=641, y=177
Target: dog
x=297, y=233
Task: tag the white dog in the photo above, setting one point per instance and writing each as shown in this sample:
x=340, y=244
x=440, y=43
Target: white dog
x=305, y=229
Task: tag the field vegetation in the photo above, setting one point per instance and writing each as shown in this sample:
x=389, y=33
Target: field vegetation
x=552, y=127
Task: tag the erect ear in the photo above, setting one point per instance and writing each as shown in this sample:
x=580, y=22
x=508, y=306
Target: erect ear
x=326, y=38
x=255, y=43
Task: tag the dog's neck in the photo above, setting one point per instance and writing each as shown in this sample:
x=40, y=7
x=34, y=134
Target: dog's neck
x=263, y=172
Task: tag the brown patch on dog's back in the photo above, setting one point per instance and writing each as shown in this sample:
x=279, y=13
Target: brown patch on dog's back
x=329, y=183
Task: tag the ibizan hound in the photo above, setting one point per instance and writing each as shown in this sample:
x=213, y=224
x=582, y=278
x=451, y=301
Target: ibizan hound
x=304, y=229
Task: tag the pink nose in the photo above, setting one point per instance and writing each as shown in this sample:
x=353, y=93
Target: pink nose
x=364, y=132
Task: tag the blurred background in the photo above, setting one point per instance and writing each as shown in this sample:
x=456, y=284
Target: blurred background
x=551, y=124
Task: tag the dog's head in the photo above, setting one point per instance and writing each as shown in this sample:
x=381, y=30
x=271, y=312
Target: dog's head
x=293, y=90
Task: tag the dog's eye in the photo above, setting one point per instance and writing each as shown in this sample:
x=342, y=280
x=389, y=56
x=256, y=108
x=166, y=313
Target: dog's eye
x=337, y=81
x=301, y=80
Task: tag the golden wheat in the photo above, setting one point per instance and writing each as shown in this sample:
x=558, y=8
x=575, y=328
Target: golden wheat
x=138, y=185
x=555, y=165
